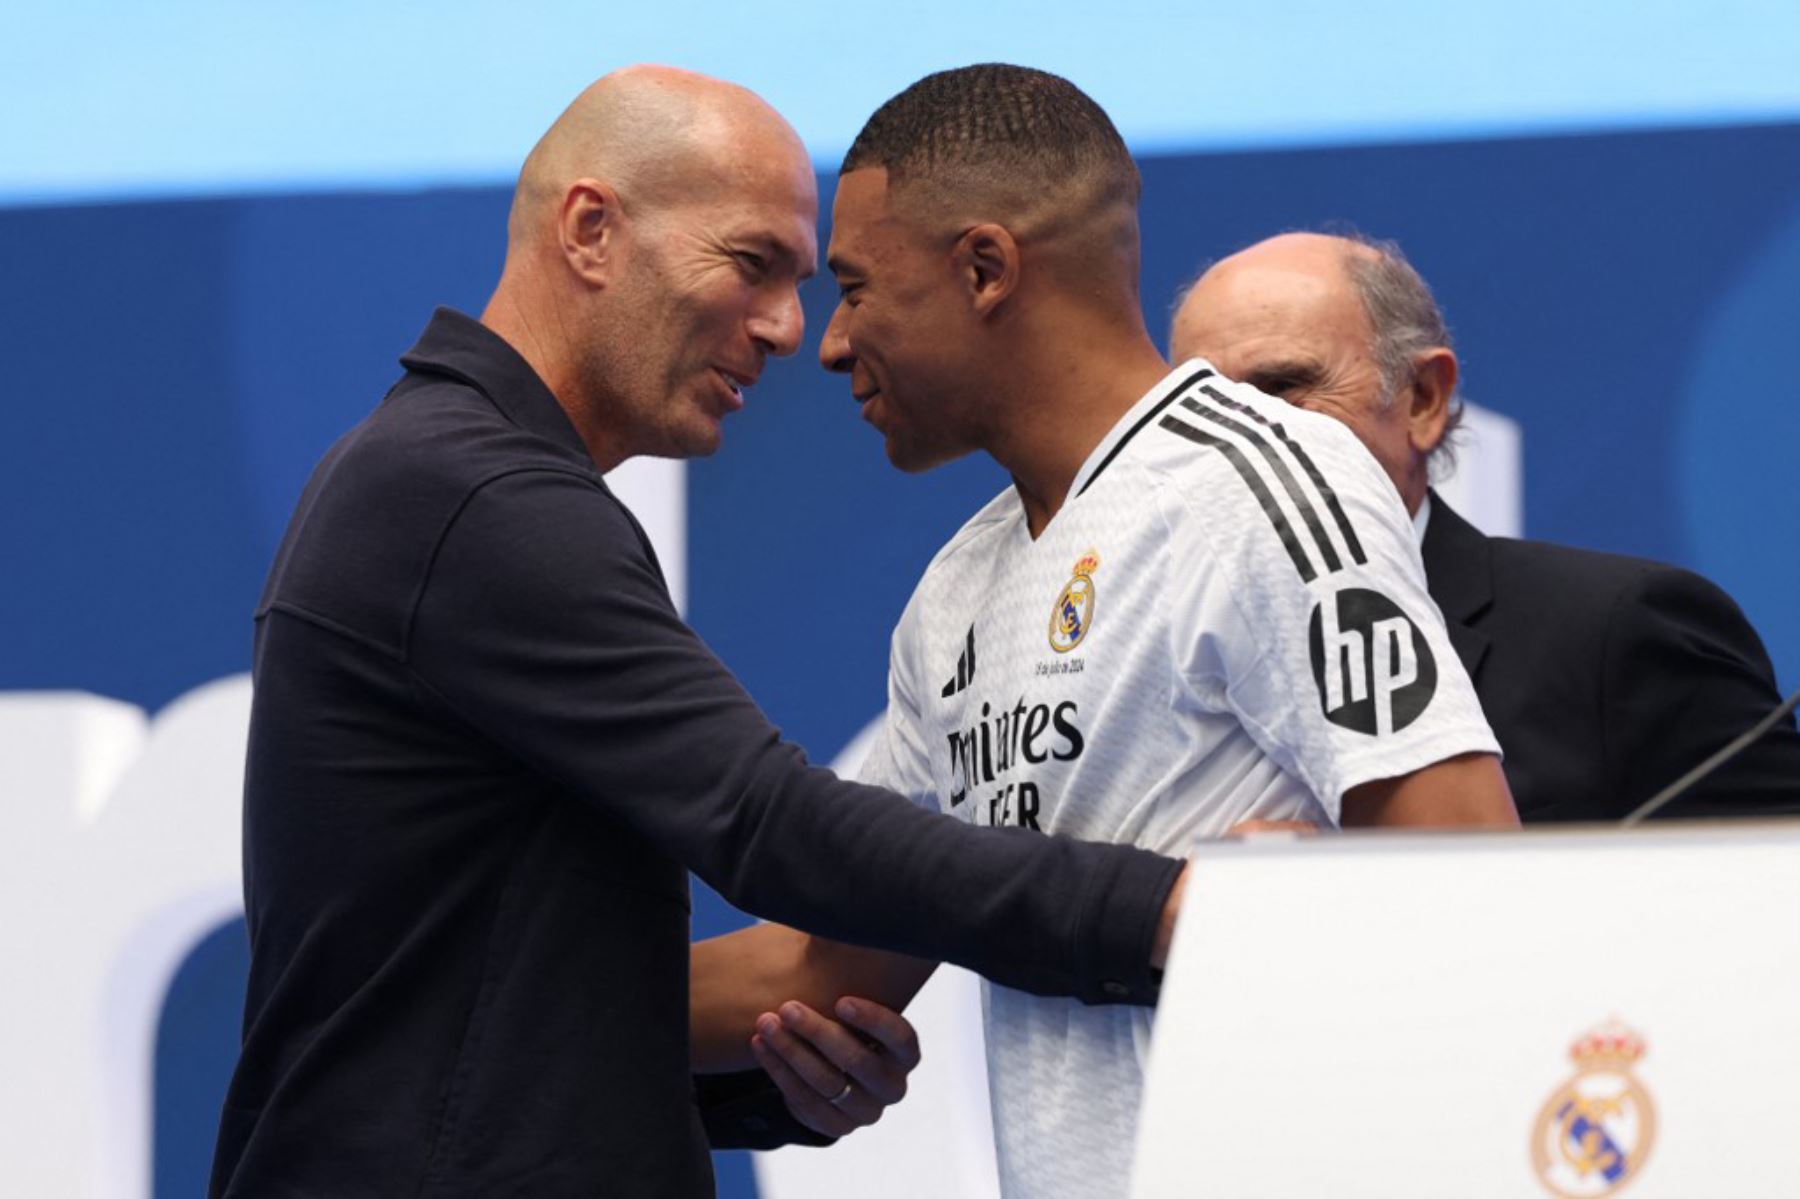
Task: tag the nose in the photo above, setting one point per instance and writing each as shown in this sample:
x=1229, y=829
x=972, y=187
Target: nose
x=834, y=347
x=779, y=325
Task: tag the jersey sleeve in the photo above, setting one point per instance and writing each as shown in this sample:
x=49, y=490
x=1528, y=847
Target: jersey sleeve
x=1299, y=602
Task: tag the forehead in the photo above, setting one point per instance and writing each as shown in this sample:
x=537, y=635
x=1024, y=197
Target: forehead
x=1244, y=308
x=772, y=198
x=865, y=226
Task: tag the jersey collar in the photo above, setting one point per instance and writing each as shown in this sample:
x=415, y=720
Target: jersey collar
x=1140, y=414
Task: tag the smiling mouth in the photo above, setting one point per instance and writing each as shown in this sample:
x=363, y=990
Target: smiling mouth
x=735, y=383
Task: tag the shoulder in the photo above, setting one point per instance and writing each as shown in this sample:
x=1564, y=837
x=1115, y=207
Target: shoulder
x=1593, y=577
x=1224, y=442
x=969, y=551
x=437, y=447
x=442, y=434
x=1594, y=602
x=1246, y=475
x=974, y=542
x=973, y=545
x=432, y=459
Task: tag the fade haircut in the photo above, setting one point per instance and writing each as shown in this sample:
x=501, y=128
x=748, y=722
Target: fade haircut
x=1406, y=320
x=1026, y=140
x=995, y=118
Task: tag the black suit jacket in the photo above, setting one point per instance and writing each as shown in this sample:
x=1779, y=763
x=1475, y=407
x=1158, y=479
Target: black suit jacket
x=1606, y=678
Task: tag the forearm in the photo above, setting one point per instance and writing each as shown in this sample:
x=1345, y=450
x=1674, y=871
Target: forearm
x=737, y=977
x=650, y=729
x=1468, y=790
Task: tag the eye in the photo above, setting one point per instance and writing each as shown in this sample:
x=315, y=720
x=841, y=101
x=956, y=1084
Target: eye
x=1283, y=385
x=754, y=265
x=847, y=293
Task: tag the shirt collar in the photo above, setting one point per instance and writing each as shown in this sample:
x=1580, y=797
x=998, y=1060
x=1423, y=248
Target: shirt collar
x=460, y=347
x=1422, y=519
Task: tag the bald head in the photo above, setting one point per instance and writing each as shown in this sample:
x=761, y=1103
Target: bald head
x=1337, y=325
x=657, y=239
x=1293, y=291
x=659, y=136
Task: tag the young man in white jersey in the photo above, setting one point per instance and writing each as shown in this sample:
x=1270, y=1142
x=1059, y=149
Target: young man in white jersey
x=1196, y=607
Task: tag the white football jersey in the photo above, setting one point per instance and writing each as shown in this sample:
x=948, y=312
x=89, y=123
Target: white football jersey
x=1227, y=620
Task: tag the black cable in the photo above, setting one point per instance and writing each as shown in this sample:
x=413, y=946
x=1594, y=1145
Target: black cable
x=1674, y=790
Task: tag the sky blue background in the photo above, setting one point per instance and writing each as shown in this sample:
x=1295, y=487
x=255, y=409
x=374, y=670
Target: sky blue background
x=1608, y=202
x=190, y=95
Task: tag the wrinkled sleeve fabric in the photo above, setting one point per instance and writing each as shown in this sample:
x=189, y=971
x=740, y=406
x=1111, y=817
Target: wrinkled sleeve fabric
x=544, y=625
x=1685, y=674
x=745, y=1110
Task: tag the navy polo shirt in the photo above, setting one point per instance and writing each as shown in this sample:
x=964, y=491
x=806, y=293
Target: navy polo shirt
x=484, y=753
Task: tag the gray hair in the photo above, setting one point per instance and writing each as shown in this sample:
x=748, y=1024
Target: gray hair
x=1407, y=321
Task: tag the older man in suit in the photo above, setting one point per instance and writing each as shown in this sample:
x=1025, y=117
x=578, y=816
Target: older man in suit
x=1604, y=677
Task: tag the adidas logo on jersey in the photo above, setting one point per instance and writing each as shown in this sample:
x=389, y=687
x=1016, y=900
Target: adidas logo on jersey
x=965, y=668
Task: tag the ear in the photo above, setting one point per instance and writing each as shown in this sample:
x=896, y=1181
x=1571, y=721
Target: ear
x=589, y=226
x=987, y=263
x=1428, y=397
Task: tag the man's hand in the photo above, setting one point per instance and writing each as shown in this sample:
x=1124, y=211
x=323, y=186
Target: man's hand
x=837, y=1077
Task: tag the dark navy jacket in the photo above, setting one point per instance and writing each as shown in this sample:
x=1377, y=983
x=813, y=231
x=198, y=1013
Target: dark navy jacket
x=1606, y=678
x=484, y=753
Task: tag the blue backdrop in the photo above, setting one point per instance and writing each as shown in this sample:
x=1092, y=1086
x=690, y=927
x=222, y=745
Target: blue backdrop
x=172, y=370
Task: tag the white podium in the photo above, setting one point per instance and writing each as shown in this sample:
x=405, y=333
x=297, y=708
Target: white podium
x=1572, y=1013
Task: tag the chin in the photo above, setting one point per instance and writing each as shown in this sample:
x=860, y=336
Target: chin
x=701, y=447
x=699, y=437
x=914, y=460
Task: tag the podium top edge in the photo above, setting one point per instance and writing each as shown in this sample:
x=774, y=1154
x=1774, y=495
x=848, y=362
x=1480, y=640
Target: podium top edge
x=1783, y=831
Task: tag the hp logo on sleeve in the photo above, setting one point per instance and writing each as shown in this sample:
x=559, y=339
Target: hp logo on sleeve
x=1373, y=666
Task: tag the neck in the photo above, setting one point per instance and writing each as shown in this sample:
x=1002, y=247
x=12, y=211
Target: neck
x=538, y=332
x=1064, y=395
x=1415, y=487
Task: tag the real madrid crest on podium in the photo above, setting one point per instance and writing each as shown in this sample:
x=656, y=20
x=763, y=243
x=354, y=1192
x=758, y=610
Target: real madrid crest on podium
x=1595, y=1132
x=1073, y=614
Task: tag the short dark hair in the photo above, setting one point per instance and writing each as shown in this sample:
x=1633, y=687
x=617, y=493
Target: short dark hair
x=1005, y=122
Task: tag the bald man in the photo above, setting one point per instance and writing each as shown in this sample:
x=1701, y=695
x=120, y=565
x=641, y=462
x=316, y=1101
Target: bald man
x=1605, y=678
x=485, y=750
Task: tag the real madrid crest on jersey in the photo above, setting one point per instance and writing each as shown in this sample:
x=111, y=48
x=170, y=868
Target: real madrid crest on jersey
x=1596, y=1130
x=1073, y=614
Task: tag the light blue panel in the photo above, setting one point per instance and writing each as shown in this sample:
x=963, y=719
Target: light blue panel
x=326, y=293
x=198, y=95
